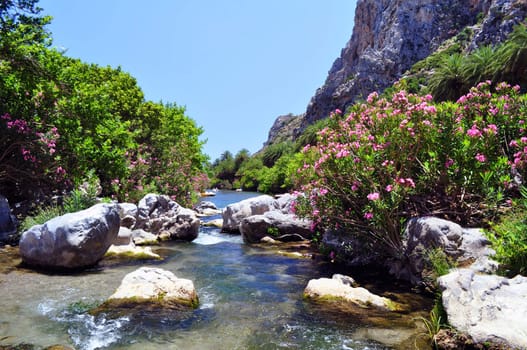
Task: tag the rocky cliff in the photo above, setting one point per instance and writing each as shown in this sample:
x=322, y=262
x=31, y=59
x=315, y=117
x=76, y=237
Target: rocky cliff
x=390, y=36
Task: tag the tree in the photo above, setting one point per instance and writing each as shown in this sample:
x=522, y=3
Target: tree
x=448, y=81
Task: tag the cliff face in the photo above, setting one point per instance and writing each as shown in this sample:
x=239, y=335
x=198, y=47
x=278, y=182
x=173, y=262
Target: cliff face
x=389, y=36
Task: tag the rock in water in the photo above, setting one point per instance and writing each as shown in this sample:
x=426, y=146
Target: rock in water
x=73, y=240
x=166, y=219
x=279, y=226
x=236, y=212
x=8, y=223
x=339, y=287
x=154, y=286
x=488, y=308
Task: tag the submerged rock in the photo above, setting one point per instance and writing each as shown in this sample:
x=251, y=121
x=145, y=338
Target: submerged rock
x=141, y=237
x=218, y=223
x=236, y=212
x=488, y=308
x=73, y=240
x=341, y=289
x=153, y=286
x=131, y=251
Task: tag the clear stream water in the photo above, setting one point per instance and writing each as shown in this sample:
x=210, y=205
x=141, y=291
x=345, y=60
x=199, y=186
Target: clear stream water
x=250, y=298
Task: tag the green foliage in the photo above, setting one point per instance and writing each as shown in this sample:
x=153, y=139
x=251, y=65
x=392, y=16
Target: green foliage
x=439, y=262
x=391, y=159
x=448, y=80
x=509, y=238
x=436, y=321
x=272, y=153
x=41, y=216
x=454, y=73
x=79, y=199
x=61, y=117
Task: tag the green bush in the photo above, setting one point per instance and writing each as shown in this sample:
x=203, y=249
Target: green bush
x=509, y=238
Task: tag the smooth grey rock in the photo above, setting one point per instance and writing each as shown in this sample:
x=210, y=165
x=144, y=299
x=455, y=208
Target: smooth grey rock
x=155, y=285
x=72, y=240
x=285, y=202
x=234, y=213
x=489, y=308
x=339, y=288
x=279, y=226
x=8, y=222
x=141, y=237
x=127, y=209
x=464, y=246
x=165, y=218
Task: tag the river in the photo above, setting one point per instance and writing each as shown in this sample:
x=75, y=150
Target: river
x=250, y=298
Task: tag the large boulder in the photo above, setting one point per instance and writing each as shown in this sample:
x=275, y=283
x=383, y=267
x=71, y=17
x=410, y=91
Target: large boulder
x=234, y=213
x=278, y=226
x=149, y=286
x=165, y=218
x=464, y=246
x=73, y=240
x=488, y=308
x=340, y=287
x=8, y=222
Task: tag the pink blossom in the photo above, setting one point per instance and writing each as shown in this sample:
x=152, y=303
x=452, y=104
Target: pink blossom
x=513, y=143
x=523, y=139
x=449, y=162
x=323, y=191
x=373, y=196
x=474, y=131
x=491, y=129
x=389, y=188
x=480, y=158
x=368, y=216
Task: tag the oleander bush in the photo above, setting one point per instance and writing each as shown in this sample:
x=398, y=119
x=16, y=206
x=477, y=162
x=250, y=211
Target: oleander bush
x=391, y=158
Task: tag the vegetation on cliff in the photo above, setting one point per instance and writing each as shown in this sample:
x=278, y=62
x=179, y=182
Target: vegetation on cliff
x=61, y=118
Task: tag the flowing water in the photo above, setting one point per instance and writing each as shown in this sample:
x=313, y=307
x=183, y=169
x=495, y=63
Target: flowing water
x=250, y=298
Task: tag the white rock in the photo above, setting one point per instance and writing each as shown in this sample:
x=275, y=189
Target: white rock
x=337, y=287
x=487, y=307
x=155, y=285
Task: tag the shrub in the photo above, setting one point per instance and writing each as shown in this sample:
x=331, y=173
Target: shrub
x=509, y=238
x=391, y=159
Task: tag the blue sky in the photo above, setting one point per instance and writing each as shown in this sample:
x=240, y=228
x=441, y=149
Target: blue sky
x=235, y=64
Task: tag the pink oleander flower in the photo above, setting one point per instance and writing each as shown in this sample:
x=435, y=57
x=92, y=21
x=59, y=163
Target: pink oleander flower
x=481, y=158
x=474, y=132
x=323, y=191
x=368, y=216
x=373, y=196
x=389, y=188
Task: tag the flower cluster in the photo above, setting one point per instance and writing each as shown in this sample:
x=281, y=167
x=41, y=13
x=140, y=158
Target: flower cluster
x=370, y=165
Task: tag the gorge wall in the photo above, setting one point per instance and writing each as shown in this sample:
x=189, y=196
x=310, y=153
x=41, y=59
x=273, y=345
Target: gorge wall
x=389, y=36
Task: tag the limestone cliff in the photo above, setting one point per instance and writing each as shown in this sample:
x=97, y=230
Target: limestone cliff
x=389, y=36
